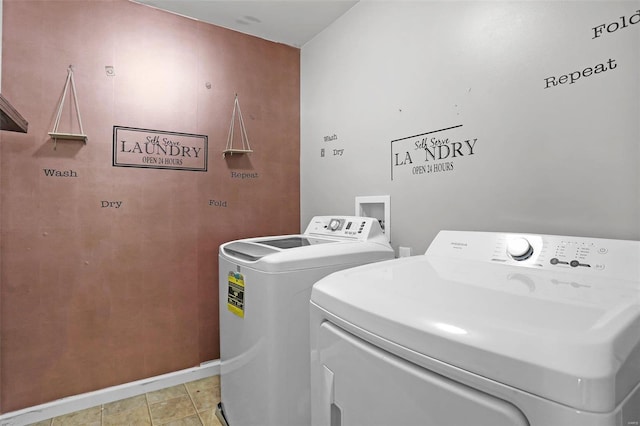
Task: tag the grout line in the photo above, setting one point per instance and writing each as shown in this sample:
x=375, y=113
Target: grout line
x=194, y=404
x=146, y=398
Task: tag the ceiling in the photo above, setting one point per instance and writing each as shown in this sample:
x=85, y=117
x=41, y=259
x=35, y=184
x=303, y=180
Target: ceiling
x=291, y=22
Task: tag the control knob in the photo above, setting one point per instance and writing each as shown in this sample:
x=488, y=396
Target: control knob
x=334, y=224
x=519, y=249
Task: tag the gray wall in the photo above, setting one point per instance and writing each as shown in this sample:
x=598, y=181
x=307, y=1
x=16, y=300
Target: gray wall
x=556, y=159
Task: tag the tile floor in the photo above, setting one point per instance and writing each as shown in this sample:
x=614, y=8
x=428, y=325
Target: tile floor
x=193, y=403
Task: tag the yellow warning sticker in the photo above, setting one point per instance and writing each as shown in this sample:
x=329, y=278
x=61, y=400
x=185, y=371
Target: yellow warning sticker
x=235, y=295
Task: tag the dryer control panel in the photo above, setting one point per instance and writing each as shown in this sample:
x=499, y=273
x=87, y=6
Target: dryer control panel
x=614, y=258
x=348, y=227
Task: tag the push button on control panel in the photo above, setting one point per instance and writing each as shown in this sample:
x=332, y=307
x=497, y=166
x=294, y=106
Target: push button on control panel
x=573, y=263
x=361, y=227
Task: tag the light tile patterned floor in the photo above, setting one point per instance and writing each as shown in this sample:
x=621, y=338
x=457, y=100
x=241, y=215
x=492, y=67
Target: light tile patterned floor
x=193, y=403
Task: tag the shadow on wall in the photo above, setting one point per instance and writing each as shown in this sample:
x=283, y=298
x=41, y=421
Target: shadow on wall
x=238, y=162
x=59, y=149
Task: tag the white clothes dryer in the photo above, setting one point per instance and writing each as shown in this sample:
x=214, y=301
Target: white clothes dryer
x=265, y=288
x=484, y=329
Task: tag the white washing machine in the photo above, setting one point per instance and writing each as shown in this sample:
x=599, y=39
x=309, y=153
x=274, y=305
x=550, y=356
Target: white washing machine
x=484, y=329
x=265, y=288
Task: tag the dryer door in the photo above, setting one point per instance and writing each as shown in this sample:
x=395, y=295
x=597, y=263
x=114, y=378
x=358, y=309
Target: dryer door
x=364, y=385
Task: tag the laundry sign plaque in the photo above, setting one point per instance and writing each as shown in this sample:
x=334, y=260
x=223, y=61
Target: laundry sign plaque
x=158, y=149
x=433, y=152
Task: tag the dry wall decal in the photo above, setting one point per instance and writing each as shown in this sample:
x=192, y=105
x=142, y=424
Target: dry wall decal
x=324, y=152
x=428, y=153
x=158, y=149
x=111, y=204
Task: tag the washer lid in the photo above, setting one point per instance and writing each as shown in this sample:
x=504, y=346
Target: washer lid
x=292, y=242
x=298, y=252
x=564, y=336
x=248, y=251
x=328, y=241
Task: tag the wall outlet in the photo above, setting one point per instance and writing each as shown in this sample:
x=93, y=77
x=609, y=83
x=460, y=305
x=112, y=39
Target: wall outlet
x=404, y=251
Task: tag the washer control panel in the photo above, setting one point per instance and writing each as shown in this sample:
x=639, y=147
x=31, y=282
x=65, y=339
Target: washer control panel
x=616, y=258
x=348, y=227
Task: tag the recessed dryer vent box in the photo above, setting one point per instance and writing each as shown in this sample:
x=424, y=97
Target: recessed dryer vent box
x=377, y=206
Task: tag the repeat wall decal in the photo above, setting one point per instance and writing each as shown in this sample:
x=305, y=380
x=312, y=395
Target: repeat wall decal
x=576, y=75
x=603, y=65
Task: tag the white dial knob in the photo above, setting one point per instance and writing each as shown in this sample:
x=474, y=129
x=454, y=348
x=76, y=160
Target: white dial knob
x=519, y=249
x=334, y=224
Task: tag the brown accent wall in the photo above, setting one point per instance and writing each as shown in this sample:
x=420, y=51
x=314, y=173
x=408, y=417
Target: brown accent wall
x=96, y=296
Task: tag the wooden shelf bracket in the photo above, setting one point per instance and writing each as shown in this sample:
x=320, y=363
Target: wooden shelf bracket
x=55, y=134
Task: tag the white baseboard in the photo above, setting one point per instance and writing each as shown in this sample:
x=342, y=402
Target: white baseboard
x=104, y=396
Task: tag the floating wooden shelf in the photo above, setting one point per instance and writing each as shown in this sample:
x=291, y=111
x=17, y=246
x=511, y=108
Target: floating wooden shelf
x=10, y=119
x=237, y=151
x=246, y=149
x=69, y=136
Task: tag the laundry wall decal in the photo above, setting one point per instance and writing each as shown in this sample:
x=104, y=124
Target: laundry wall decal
x=430, y=152
x=158, y=149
